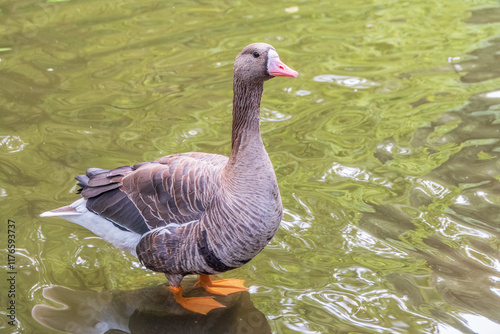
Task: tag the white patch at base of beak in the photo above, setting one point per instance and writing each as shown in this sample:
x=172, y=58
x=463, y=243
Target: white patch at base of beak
x=271, y=54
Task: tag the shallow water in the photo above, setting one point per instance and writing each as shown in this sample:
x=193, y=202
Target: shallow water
x=386, y=149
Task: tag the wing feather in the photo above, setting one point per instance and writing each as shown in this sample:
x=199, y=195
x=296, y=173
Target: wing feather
x=172, y=189
x=169, y=189
x=105, y=198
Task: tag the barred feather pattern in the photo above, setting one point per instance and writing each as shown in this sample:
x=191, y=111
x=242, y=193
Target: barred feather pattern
x=238, y=218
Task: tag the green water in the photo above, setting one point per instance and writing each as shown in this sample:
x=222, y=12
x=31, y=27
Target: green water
x=386, y=150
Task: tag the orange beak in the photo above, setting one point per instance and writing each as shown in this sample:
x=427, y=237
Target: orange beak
x=277, y=68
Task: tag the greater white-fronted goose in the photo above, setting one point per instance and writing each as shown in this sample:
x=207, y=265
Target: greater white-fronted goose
x=194, y=213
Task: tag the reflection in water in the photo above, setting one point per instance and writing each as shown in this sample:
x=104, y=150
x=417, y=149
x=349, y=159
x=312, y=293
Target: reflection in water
x=484, y=63
x=149, y=310
x=455, y=230
x=342, y=80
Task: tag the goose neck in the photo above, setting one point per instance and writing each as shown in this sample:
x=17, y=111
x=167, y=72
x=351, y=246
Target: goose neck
x=246, y=108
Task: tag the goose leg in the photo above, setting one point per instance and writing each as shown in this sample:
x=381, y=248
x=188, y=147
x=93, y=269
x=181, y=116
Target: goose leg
x=221, y=287
x=201, y=305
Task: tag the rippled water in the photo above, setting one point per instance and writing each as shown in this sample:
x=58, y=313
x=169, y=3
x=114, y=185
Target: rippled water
x=386, y=150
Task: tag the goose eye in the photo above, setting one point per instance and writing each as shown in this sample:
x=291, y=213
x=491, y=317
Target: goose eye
x=256, y=54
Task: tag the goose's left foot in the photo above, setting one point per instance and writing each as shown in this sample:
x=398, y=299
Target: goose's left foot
x=221, y=287
x=201, y=305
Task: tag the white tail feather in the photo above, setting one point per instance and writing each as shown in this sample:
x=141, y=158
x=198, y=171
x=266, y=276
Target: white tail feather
x=77, y=213
x=59, y=214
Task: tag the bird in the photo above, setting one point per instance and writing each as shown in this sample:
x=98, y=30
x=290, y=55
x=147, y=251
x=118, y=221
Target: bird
x=194, y=213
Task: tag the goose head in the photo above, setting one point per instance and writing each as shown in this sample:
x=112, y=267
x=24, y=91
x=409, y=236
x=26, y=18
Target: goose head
x=260, y=62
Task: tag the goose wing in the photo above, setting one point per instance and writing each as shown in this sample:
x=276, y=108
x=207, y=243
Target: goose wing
x=171, y=190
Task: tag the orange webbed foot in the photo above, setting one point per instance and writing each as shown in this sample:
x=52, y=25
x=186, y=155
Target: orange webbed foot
x=223, y=286
x=201, y=305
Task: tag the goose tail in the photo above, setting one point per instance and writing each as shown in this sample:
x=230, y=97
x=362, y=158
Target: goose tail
x=111, y=232
x=61, y=212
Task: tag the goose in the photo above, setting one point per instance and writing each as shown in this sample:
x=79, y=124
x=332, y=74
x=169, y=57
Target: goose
x=194, y=213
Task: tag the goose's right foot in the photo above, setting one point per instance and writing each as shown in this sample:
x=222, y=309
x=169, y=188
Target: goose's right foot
x=201, y=305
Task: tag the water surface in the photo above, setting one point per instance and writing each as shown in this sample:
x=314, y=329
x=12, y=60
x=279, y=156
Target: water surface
x=386, y=150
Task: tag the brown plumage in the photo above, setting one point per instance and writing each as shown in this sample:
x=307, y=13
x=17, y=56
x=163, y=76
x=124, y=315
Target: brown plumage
x=194, y=213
